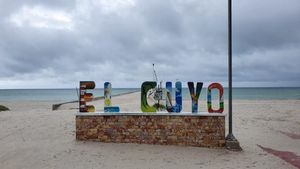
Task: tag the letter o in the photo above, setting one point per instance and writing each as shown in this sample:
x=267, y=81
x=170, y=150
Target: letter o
x=221, y=98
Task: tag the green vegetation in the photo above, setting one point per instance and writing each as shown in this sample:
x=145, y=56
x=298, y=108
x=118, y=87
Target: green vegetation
x=3, y=108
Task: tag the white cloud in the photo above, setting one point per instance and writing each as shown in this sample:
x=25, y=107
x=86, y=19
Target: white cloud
x=41, y=17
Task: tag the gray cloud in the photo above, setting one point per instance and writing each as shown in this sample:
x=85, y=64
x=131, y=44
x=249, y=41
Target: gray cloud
x=267, y=25
x=62, y=42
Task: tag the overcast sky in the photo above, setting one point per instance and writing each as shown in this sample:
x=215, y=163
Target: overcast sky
x=57, y=43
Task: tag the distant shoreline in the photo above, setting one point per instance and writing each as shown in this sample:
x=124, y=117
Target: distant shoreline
x=140, y=88
x=71, y=95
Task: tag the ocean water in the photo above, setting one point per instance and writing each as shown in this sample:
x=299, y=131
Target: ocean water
x=59, y=95
x=64, y=95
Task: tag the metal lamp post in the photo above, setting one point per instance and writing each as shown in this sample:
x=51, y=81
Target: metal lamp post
x=231, y=142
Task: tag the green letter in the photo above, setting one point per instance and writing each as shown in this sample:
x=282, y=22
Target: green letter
x=146, y=86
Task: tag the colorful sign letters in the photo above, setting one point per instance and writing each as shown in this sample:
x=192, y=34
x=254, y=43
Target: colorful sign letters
x=146, y=86
x=107, y=99
x=178, y=97
x=85, y=97
x=150, y=87
x=221, y=99
x=195, y=96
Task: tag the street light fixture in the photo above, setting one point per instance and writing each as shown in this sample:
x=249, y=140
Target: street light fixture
x=231, y=142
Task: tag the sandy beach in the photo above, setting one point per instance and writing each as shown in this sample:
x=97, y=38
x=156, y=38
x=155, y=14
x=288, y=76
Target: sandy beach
x=33, y=136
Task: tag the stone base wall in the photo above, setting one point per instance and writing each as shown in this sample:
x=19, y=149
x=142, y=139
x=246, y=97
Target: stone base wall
x=201, y=131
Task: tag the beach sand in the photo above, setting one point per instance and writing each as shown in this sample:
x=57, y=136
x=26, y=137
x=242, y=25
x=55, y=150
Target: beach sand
x=32, y=136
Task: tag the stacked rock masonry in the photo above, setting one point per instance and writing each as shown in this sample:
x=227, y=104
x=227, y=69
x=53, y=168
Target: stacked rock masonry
x=188, y=130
